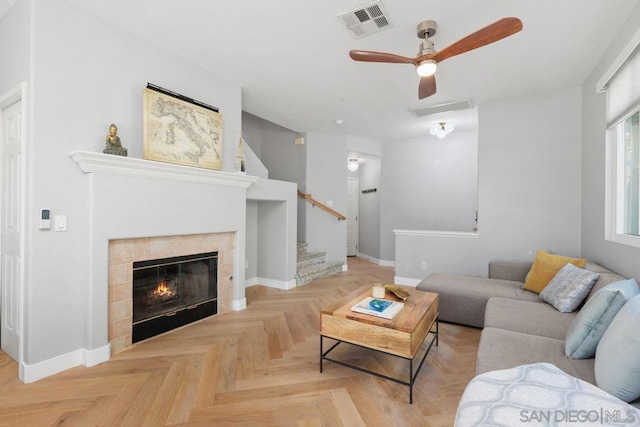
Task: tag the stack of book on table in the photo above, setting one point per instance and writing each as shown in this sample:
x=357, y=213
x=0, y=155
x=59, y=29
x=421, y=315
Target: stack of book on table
x=378, y=307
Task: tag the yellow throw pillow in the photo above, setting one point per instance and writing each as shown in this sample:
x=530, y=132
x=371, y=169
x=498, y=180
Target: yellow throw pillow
x=545, y=267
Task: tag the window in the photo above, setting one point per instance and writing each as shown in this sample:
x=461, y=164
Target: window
x=623, y=153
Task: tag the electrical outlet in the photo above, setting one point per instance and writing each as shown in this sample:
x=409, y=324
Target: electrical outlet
x=423, y=265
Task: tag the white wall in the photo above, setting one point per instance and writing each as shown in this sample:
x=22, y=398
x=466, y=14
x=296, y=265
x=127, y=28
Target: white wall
x=428, y=184
x=274, y=234
x=620, y=258
x=529, y=189
x=327, y=181
x=15, y=28
x=251, y=251
x=87, y=74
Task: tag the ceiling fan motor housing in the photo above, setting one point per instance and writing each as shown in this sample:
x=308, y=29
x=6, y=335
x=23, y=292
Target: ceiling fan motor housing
x=427, y=48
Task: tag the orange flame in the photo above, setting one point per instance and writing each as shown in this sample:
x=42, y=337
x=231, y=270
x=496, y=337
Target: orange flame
x=163, y=290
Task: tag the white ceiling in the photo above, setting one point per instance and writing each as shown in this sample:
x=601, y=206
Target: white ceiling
x=291, y=56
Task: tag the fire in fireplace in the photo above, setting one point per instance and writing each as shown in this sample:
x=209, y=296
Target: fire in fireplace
x=172, y=292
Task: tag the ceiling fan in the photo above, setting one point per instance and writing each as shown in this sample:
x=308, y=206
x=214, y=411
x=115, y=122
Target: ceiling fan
x=428, y=58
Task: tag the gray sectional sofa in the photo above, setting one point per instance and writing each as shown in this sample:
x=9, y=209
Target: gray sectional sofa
x=519, y=328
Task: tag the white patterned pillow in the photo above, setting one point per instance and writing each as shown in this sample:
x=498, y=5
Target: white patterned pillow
x=539, y=394
x=569, y=288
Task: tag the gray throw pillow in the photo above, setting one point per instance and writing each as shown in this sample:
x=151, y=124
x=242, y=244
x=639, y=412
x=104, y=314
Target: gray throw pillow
x=569, y=287
x=617, y=367
x=588, y=326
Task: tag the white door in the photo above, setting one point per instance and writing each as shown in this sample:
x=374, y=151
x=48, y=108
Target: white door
x=352, y=217
x=10, y=228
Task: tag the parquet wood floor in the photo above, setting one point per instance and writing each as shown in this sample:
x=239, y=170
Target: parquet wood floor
x=256, y=367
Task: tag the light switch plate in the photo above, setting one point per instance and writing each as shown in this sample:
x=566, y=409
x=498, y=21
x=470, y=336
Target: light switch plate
x=60, y=223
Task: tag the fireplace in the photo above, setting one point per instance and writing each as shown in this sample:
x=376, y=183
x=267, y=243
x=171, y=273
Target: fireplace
x=172, y=292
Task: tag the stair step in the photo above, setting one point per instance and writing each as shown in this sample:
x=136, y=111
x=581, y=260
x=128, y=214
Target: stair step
x=308, y=259
x=307, y=275
x=302, y=247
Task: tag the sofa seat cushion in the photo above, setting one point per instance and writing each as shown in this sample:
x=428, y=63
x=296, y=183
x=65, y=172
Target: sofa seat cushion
x=462, y=299
x=527, y=317
x=532, y=394
x=503, y=349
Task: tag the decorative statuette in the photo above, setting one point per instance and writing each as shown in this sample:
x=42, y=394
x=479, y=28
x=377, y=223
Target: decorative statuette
x=113, y=144
x=240, y=159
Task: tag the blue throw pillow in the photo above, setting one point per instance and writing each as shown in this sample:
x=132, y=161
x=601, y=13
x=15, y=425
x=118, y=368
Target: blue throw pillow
x=617, y=367
x=589, y=325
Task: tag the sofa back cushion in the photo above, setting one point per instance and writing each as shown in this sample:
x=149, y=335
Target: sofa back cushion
x=603, y=280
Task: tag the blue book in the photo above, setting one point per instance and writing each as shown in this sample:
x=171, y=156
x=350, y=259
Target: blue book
x=378, y=307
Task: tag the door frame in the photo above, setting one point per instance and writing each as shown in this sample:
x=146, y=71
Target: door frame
x=19, y=93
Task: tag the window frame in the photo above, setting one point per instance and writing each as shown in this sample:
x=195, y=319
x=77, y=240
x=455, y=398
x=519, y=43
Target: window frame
x=614, y=190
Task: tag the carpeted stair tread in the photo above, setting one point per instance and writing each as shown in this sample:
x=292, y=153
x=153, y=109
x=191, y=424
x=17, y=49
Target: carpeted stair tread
x=307, y=275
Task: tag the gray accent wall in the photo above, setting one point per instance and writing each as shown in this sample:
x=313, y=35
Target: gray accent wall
x=369, y=207
x=620, y=258
x=283, y=160
x=428, y=184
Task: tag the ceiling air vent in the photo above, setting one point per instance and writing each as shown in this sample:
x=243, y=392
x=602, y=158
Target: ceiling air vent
x=366, y=20
x=442, y=108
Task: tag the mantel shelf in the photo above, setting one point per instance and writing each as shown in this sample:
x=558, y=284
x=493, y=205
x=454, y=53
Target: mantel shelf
x=90, y=162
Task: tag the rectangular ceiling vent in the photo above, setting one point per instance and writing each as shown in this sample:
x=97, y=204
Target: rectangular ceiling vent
x=442, y=108
x=366, y=20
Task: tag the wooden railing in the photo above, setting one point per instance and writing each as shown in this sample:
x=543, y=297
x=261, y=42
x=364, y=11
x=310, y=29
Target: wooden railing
x=314, y=202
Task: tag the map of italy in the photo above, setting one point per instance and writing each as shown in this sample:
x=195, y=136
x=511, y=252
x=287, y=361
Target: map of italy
x=179, y=132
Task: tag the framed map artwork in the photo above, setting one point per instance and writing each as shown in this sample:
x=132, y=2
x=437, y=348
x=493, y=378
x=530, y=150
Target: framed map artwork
x=176, y=131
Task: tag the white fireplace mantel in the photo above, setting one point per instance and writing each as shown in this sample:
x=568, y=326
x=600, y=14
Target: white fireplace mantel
x=90, y=162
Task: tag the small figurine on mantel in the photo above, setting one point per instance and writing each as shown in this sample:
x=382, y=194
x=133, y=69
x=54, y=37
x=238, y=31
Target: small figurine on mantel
x=113, y=144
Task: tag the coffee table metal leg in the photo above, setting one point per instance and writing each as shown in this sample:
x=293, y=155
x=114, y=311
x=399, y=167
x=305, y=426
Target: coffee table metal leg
x=411, y=380
x=320, y=353
x=412, y=375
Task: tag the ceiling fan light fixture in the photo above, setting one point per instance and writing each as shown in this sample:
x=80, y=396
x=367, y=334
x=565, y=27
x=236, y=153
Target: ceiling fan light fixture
x=441, y=129
x=427, y=68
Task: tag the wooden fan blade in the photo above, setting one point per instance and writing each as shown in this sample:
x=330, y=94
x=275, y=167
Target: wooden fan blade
x=487, y=35
x=427, y=86
x=369, y=56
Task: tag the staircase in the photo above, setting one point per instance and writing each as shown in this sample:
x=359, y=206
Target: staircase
x=312, y=266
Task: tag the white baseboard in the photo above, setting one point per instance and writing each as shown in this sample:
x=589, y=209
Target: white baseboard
x=407, y=281
x=239, y=304
x=97, y=356
x=386, y=263
x=345, y=267
x=369, y=258
x=37, y=371
x=251, y=282
x=278, y=284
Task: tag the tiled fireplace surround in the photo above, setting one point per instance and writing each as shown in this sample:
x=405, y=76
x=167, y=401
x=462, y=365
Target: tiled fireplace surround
x=124, y=252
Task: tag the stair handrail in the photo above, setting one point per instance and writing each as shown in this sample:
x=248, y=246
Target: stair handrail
x=326, y=208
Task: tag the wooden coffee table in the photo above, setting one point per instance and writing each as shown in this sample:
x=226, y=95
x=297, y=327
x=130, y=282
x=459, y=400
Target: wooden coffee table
x=401, y=336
